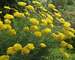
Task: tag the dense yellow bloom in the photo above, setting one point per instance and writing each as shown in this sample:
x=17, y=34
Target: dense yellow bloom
x=66, y=24
x=51, y=6
x=8, y=16
x=18, y=14
x=34, y=21
x=17, y=46
x=7, y=21
x=37, y=33
x=21, y=4
x=11, y=51
x=30, y=7
x=46, y=30
x=30, y=46
x=43, y=45
x=34, y=28
x=25, y=50
x=4, y=57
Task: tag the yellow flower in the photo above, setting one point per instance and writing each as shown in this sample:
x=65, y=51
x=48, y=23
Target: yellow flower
x=44, y=22
x=7, y=26
x=17, y=46
x=49, y=17
x=0, y=12
x=1, y=25
x=46, y=30
x=34, y=28
x=61, y=49
x=4, y=57
x=37, y=33
x=69, y=33
x=51, y=6
x=30, y=46
x=70, y=46
x=7, y=21
x=25, y=50
x=43, y=45
x=12, y=32
x=66, y=55
x=11, y=51
x=57, y=14
x=63, y=44
x=6, y=7
x=21, y=4
x=17, y=14
x=26, y=29
x=38, y=4
x=8, y=16
x=59, y=36
x=34, y=21
x=30, y=7
x=49, y=21
x=66, y=24
x=61, y=20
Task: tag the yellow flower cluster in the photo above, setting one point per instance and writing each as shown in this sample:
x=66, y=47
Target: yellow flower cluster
x=36, y=22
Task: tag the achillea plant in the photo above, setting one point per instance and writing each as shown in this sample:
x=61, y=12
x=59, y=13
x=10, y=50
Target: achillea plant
x=35, y=32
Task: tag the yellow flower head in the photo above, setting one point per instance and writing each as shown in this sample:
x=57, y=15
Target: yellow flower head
x=7, y=21
x=57, y=14
x=34, y=21
x=1, y=24
x=26, y=29
x=12, y=32
x=70, y=46
x=7, y=26
x=34, y=28
x=25, y=50
x=6, y=7
x=30, y=7
x=21, y=4
x=51, y=6
x=69, y=33
x=4, y=57
x=17, y=14
x=11, y=51
x=66, y=24
x=66, y=55
x=63, y=44
x=30, y=46
x=43, y=45
x=8, y=16
x=46, y=30
x=17, y=46
x=37, y=33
